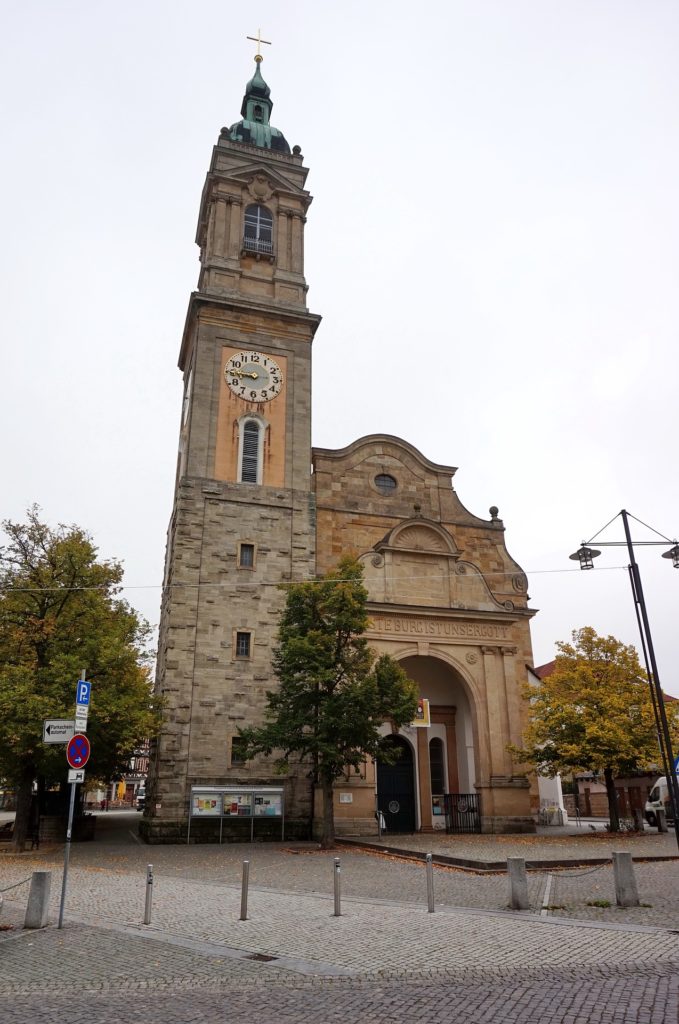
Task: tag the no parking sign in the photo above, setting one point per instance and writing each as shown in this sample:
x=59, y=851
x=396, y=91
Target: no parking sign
x=78, y=751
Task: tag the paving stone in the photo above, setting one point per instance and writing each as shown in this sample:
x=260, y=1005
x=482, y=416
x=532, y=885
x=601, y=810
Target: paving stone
x=385, y=959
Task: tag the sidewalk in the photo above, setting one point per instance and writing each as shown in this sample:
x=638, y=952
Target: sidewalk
x=384, y=960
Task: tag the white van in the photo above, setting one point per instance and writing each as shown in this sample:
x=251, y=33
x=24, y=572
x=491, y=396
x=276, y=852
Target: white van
x=658, y=798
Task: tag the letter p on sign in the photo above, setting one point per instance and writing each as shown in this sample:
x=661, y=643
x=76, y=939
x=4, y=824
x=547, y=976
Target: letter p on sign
x=83, y=693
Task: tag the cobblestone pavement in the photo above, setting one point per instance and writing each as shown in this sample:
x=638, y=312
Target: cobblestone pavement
x=385, y=959
x=301, y=867
x=635, y=999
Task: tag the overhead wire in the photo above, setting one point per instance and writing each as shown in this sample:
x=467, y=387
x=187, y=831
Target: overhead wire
x=465, y=578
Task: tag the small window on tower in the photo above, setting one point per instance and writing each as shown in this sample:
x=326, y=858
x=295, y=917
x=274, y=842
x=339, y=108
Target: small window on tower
x=246, y=556
x=258, y=114
x=237, y=751
x=187, y=397
x=243, y=644
x=385, y=483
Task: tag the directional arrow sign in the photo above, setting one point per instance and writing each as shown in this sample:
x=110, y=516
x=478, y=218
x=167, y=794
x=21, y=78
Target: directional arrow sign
x=57, y=730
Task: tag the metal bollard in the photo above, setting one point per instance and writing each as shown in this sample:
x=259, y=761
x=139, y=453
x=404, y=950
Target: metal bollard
x=338, y=894
x=661, y=819
x=149, y=894
x=244, y=891
x=430, y=883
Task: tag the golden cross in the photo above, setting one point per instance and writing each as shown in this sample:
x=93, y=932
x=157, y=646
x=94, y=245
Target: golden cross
x=258, y=39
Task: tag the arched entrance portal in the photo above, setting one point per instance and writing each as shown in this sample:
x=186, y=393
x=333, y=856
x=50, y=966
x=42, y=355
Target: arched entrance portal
x=445, y=750
x=396, y=789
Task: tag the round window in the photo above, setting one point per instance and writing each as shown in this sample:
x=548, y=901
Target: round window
x=385, y=484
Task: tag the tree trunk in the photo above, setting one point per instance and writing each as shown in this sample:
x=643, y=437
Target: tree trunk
x=23, y=813
x=612, y=796
x=328, y=833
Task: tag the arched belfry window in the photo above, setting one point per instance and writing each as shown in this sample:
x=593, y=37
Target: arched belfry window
x=251, y=449
x=249, y=465
x=258, y=229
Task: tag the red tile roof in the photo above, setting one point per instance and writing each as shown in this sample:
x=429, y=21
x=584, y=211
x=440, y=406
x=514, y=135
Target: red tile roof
x=542, y=671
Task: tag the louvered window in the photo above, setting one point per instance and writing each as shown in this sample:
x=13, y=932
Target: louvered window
x=250, y=458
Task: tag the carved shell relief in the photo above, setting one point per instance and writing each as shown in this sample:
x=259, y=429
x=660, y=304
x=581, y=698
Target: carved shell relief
x=260, y=188
x=419, y=538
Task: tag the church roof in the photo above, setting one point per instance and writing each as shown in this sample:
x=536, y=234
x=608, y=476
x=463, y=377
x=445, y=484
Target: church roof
x=255, y=128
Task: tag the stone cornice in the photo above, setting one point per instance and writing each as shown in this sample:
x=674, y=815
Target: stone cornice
x=371, y=439
x=248, y=305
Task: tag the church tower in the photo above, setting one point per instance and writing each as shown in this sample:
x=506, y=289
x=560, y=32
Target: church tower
x=243, y=518
x=255, y=507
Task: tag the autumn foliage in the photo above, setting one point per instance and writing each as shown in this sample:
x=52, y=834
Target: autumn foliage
x=60, y=613
x=593, y=713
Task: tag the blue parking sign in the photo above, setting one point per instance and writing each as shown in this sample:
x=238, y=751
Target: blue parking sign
x=82, y=693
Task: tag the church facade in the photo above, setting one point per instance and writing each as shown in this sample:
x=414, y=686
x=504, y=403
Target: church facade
x=256, y=506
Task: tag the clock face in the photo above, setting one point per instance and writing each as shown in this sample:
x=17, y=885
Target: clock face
x=253, y=376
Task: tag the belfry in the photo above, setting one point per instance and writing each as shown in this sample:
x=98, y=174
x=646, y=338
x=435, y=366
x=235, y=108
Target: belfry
x=256, y=506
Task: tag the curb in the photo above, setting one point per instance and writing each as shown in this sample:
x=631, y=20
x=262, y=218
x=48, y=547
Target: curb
x=482, y=866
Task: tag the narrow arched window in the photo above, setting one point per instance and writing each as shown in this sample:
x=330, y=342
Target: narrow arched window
x=249, y=464
x=438, y=783
x=258, y=229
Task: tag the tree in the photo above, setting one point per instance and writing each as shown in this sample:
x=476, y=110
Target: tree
x=593, y=713
x=59, y=614
x=334, y=693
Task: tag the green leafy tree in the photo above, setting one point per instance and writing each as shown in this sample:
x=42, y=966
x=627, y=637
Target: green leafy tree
x=334, y=693
x=59, y=614
x=593, y=713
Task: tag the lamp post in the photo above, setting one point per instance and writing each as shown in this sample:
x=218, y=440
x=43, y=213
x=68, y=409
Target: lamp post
x=586, y=555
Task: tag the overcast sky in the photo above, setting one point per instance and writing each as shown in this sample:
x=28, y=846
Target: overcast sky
x=493, y=246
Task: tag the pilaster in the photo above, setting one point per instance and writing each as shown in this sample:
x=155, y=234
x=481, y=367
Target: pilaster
x=424, y=776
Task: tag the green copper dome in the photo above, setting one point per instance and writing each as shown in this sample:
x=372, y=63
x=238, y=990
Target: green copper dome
x=254, y=128
x=255, y=87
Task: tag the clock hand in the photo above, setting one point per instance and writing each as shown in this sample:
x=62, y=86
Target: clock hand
x=242, y=373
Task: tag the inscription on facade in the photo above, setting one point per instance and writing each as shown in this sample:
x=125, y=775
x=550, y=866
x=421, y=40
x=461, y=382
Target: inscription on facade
x=425, y=627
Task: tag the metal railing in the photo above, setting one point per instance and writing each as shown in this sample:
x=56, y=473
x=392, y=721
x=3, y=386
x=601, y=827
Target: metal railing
x=257, y=245
x=463, y=812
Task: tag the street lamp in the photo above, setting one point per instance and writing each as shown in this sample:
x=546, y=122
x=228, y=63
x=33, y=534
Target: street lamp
x=585, y=555
x=673, y=553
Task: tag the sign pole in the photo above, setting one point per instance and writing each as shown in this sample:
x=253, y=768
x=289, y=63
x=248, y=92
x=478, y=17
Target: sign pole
x=69, y=827
x=67, y=854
